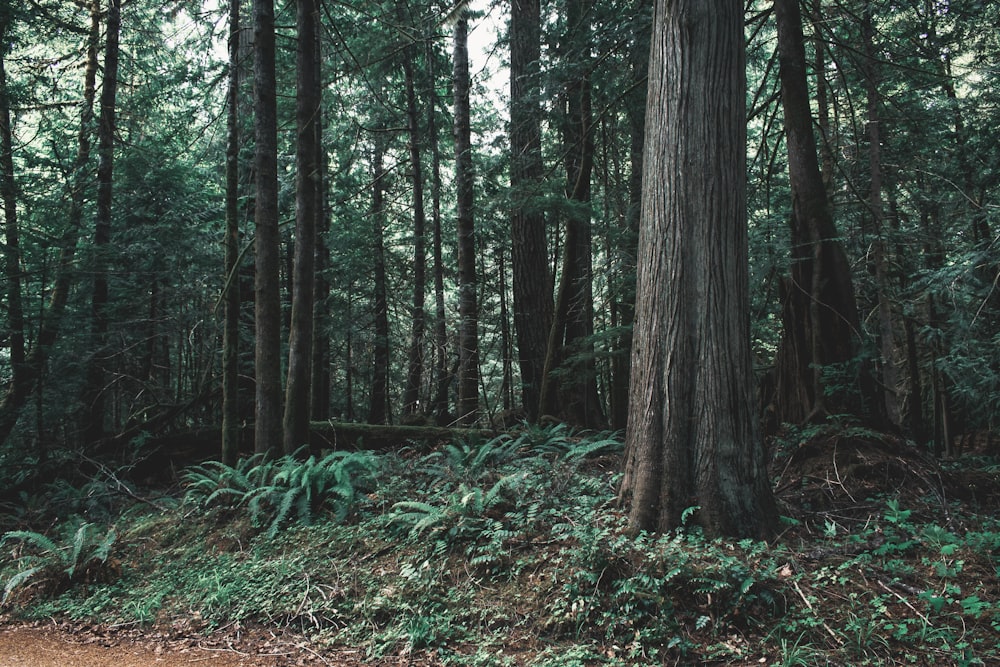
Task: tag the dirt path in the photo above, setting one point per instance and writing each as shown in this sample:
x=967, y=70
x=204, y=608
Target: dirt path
x=49, y=646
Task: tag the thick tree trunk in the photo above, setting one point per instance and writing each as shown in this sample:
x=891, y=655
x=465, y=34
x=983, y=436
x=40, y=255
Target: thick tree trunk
x=267, y=244
x=307, y=211
x=94, y=396
x=820, y=315
x=415, y=362
x=19, y=392
x=231, y=293
x=378, y=410
x=692, y=439
x=529, y=253
x=468, y=311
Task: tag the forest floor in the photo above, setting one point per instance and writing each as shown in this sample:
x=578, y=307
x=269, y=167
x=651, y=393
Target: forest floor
x=509, y=551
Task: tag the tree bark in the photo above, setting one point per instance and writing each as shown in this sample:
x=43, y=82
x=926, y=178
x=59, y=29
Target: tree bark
x=468, y=336
x=529, y=253
x=267, y=304
x=231, y=293
x=692, y=436
x=415, y=362
x=307, y=211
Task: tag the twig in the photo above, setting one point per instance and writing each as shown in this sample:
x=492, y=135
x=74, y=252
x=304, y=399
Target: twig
x=904, y=601
x=809, y=604
x=122, y=486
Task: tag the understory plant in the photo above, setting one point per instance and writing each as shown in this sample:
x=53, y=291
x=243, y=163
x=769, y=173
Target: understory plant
x=277, y=491
x=37, y=559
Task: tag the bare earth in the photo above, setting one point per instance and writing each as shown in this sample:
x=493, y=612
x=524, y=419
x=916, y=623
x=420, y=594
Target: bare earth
x=52, y=646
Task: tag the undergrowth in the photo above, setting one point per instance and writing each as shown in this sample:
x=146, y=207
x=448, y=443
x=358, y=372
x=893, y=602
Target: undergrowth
x=512, y=551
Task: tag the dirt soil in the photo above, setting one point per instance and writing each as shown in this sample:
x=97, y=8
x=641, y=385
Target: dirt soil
x=62, y=646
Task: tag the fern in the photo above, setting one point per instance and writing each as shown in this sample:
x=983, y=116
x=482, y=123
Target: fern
x=18, y=580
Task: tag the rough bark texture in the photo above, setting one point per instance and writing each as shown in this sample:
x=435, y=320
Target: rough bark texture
x=307, y=211
x=529, y=252
x=267, y=305
x=692, y=437
x=820, y=315
x=231, y=294
x=468, y=312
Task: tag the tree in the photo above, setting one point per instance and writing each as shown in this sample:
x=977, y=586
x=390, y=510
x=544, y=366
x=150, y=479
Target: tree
x=821, y=327
x=308, y=209
x=21, y=389
x=95, y=403
x=415, y=370
x=267, y=303
x=8, y=191
x=231, y=288
x=468, y=336
x=378, y=408
x=529, y=253
x=692, y=438
x=570, y=348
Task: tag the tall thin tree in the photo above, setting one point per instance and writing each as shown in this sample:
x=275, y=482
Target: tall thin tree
x=308, y=180
x=95, y=398
x=231, y=294
x=468, y=310
x=267, y=304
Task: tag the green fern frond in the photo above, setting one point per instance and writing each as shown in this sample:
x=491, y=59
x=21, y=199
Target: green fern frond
x=40, y=541
x=17, y=580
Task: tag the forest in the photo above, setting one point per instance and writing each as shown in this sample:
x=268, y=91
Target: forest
x=535, y=332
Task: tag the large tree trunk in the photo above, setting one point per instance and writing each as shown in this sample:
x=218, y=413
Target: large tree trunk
x=20, y=391
x=267, y=361
x=415, y=362
x=468, y=336
x=820, y=315
x=231, y=290
x=378, y=409
x=529, y=252
x=692, y=439
x=94, y=396
x=307, y=211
